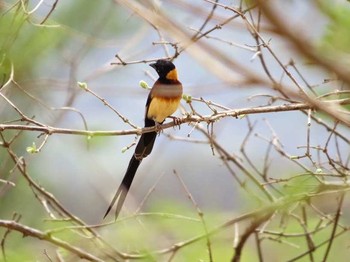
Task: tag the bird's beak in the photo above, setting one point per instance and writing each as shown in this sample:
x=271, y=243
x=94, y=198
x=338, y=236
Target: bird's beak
x=153, y=65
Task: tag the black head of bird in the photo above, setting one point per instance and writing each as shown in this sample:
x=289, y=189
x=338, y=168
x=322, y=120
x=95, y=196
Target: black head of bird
x=165, y=69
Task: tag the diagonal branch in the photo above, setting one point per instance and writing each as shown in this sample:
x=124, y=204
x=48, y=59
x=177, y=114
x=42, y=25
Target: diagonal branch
x=29, y=231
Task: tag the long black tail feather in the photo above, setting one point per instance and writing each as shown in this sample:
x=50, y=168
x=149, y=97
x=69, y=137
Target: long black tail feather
x=143, y=149
x=124, y=187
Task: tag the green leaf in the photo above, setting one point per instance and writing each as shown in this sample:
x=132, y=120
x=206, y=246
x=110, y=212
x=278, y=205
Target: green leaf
x=302, y=184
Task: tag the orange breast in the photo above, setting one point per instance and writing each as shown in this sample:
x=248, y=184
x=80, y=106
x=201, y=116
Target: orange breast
x=162, y=107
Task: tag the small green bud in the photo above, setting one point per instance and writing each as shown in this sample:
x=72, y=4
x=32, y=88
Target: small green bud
x=82, y=85
x=187, y=98
x=319, y=171
x=144, y=84
x=32, y=149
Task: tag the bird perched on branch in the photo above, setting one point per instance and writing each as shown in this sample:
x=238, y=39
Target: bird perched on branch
x=163, y=100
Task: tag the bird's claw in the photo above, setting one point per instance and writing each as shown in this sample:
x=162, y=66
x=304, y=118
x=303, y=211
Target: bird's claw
x=176, y=120
x=158, y=127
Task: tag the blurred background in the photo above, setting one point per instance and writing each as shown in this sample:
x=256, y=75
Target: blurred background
x=48, y=47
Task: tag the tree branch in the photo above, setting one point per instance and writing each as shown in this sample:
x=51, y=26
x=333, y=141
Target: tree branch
x=187, y=119
x=28, y=231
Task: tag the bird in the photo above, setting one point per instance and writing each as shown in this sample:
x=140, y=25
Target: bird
x=163, y=100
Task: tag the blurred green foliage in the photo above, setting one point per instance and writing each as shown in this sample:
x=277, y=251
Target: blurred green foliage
x=337, y=34
x=24, y=43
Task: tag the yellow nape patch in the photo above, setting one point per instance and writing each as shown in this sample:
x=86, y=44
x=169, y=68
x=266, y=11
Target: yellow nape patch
x=172, y=75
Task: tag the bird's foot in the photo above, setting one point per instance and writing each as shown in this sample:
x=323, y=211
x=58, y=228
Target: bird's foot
x=158, y=127
x=176, y=120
